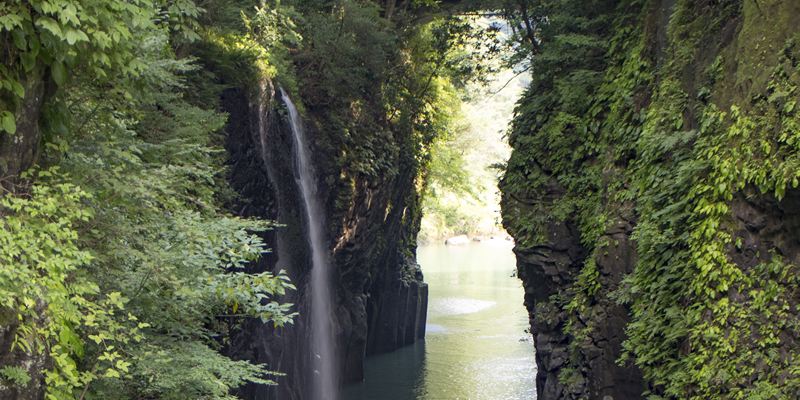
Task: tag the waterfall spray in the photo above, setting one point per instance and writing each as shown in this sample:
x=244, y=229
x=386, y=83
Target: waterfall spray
x=324, y=378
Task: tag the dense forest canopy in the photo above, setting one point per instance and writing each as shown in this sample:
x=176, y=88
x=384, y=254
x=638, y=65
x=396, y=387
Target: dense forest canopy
x=117, y=256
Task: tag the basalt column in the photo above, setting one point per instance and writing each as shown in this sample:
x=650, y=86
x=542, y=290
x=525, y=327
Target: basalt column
x=369, y=238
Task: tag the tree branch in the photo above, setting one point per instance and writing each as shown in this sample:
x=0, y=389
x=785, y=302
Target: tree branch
x=389, y=10
x=509, y=81
x=529, y=28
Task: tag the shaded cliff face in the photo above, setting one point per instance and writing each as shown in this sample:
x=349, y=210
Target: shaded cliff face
x=652, y=195
x=379, y=297
x=577, y=346
x=20, y=152
x=36, y=365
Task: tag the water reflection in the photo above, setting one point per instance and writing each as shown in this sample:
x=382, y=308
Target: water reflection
x=456, y=306
x=475, y=346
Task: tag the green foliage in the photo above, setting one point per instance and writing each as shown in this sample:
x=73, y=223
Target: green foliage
x=584, y=120
x=249, y=47
x=40, y=256
x=120, y=262
x=447, y=167
x=123, y=269
x=385, y=95
x=18, y=374
x=461, y=197
x=598, y=131
x=95, y=37
x=688, y=244
x=347, y=53
x=573, y=135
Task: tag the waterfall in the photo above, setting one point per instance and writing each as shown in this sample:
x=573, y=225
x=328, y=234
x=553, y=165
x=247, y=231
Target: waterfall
x=324, y=377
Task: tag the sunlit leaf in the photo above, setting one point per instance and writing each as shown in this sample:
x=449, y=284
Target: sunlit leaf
x=9, y=124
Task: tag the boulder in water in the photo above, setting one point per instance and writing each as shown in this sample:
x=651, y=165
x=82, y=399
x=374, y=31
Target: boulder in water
x=457, y=240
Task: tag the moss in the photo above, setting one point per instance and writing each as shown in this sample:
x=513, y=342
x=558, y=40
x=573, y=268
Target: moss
x=7, y=315
x=719, y=124
x=765, y=27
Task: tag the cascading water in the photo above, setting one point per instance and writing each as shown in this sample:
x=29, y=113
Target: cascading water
x=324, y=377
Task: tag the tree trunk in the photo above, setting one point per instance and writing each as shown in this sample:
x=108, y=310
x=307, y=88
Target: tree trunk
x=35, y=364
x=389, y=10
x=20, y=151
x=529, y=28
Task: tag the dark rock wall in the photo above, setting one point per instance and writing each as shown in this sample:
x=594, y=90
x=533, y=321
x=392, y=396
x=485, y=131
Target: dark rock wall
x=379, y=297
x=19, y=152
x=729, y=56
x=37, y=366
x=549, y=272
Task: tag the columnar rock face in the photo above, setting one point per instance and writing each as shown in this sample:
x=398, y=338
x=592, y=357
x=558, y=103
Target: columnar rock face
x=651, y=193
x=19, y=152
x=549, y=270
x=379, y=297
x=36, y=365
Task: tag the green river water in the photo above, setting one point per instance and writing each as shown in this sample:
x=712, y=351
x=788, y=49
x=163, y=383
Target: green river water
x=475, y=344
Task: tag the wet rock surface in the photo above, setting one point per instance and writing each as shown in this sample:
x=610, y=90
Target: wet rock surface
x=379, y=297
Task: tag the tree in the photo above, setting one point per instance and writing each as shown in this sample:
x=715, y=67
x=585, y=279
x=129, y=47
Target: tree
x=117, y=263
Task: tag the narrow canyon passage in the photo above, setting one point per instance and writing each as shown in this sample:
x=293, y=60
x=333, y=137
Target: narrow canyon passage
x=239, y=199
x=476, y=342
x=475, y=346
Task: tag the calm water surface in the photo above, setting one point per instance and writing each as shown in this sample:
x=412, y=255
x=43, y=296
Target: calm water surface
x=475, y=346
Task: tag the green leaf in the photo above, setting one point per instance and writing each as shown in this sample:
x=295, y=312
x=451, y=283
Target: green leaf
x=74, y=35
x=34, y=44
x=64, y=337
x=69, y=14
x=59, y=72
x=77, y=346
x=51, y=25
x=10, y=21
x=780, y=192
x=9, y=125
x=18, y=89
x=17, y=374
x=19, y=39
x=28, y=61
x=72, y=60
x=46, y=55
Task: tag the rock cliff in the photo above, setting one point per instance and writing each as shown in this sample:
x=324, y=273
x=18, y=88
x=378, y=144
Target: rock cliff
x=380, y=300
x=651, y=195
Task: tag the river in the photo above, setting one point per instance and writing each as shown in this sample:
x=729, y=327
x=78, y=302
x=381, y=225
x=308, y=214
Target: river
x=475, y=344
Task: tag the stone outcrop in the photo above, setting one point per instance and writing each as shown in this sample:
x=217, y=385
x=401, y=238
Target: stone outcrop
x=549, y=272
x=35, y=365
x=581, y=281
x=380, y=300
x=459, y=240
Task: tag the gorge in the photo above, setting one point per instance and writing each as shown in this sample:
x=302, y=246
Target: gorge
x=222, y=199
